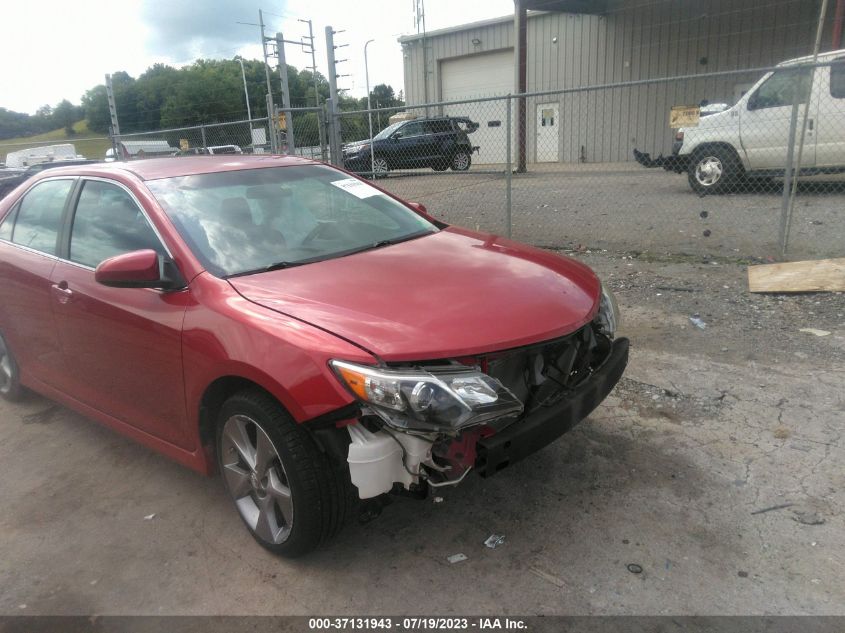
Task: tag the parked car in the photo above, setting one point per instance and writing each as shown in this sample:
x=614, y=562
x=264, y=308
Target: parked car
x=439, y=143
x=11, y=178
x=315, y=339
x=751, y=139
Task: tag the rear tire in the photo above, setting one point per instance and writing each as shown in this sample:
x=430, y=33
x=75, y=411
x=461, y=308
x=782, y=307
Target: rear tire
x=10, y=378
x=714, y=170
x=291, y=496
x=461, y=161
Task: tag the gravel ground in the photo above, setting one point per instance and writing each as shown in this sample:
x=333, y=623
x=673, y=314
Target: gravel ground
x=625, y=206
x=714, y=470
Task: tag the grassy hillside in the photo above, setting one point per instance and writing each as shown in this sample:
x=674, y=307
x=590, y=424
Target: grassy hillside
x=94, y=148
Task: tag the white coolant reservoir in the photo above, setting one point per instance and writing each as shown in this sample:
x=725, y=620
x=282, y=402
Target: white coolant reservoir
x=375, y=460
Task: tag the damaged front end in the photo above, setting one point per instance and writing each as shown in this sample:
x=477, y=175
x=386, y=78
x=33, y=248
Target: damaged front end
x=428, y=425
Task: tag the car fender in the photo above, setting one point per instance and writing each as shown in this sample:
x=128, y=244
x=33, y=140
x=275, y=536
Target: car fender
x=227, y=336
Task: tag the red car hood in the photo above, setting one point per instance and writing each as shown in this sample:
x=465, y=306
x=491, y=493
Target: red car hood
x=454, y=293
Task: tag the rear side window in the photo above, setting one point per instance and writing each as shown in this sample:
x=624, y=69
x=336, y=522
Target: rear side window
x=837, y=79
x=107, y=222
x=40, y=215
x=439, y=126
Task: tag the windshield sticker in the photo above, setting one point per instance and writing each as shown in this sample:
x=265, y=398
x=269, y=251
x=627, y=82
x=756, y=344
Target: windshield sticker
x=357, y=188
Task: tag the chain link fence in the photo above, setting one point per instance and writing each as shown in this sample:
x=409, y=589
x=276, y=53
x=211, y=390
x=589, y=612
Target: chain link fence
x=743, y=164
x=757, y=175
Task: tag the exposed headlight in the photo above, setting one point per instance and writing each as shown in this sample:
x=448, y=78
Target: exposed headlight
x=433, y=400
x=608, y=316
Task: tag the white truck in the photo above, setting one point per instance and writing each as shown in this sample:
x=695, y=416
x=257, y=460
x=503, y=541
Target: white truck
x=751, y=139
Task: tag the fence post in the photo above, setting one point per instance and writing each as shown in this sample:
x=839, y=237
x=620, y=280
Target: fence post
x=789, y=192
x=508, y=167
x=202, y=132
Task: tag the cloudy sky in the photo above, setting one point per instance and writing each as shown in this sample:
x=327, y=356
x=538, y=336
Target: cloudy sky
x=57, y=49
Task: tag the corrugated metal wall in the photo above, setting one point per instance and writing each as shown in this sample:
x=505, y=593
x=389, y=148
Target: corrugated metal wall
x=635, y=40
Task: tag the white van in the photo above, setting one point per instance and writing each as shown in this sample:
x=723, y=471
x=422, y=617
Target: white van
x=751, y=138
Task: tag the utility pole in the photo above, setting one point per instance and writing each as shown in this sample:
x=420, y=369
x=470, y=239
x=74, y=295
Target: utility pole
x=115, y=128
x=271, y=109
x=313, y=66
x=334, y=119
x=419, y=19
x=283, y=75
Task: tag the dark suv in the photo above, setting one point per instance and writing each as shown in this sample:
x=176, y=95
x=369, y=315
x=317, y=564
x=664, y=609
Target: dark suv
x=439, y=143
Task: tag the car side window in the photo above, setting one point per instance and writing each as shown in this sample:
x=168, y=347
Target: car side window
x=108, y=222
x=412, y=129
x=39, y=215
x=837, y=79
x=7, y=225
x=782, y=89
x=438, y=126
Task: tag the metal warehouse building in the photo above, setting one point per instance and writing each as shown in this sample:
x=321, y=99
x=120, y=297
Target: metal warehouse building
x=581, y=43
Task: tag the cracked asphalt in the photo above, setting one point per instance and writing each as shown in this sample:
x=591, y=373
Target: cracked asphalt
x=715, y=469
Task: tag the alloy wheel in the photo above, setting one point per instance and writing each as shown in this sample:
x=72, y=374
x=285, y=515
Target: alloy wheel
x=460, y=162
x=380, y=167
x=709, y=171
x=256, y=479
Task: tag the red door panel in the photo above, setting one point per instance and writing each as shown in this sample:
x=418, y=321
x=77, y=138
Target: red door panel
x=26, y=312
x=123, y=350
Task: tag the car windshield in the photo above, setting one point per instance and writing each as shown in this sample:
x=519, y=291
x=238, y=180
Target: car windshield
x=246, y=221
x=386, y=132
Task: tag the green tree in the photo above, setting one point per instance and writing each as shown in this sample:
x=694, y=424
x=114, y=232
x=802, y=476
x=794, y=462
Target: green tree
x=65, y=115
x=96, y=107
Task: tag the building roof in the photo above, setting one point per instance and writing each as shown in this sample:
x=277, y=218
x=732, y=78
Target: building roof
x=535, y=7
x=457, y=29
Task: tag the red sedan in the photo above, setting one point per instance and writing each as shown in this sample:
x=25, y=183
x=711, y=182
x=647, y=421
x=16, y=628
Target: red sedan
x=315, y=339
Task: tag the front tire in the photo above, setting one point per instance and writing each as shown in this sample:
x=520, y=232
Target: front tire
x=289, y=494
x=10, y=379
x=380, y=167
x=461, y=161
x=713, y=170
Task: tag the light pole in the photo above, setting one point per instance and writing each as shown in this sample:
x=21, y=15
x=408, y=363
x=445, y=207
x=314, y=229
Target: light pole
x=246, y=95
x=369, y=112
x=246, y=92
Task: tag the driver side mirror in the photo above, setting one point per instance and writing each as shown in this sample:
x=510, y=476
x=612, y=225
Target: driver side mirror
x=139, y=269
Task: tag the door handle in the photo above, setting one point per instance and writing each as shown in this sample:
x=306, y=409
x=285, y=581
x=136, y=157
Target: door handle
x=62, y=292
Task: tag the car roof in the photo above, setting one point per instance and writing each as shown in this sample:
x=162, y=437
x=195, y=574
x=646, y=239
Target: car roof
x=155, y=168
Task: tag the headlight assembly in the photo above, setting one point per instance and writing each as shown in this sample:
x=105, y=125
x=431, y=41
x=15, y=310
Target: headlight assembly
x=608, y=316
x=435, y=399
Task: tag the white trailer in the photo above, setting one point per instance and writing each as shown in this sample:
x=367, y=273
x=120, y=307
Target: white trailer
x=37, y=155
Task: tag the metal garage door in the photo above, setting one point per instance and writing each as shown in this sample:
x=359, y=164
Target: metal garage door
x=485, y=75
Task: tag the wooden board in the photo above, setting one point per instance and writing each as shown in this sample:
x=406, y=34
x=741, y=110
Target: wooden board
x=811, y=276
